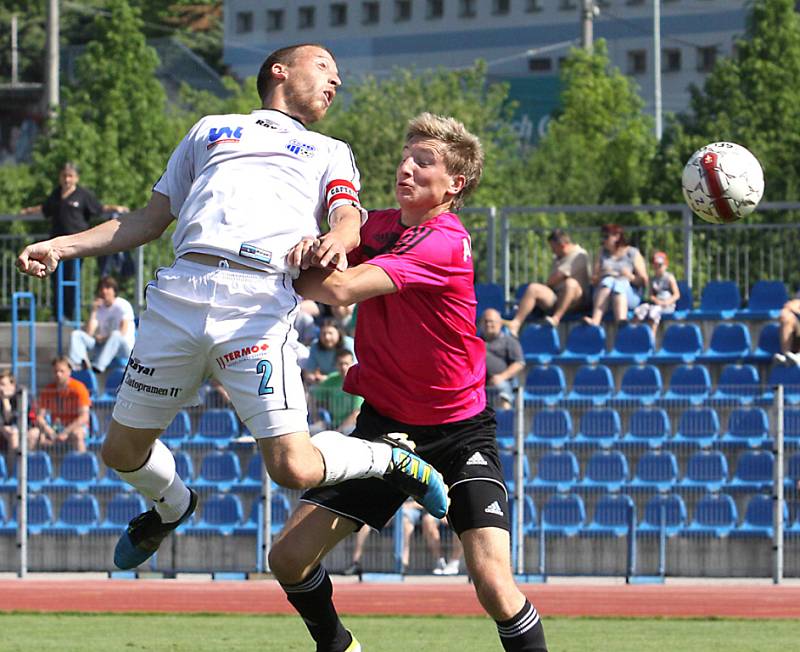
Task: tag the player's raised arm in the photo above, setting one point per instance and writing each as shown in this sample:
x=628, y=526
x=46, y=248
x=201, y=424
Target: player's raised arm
x=119, y=234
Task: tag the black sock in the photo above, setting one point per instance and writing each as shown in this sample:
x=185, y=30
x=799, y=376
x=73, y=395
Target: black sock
x=313, y=600
x=523, y=632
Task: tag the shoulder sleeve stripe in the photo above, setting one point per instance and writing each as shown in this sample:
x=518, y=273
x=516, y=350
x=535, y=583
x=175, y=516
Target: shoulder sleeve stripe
x=410, y=239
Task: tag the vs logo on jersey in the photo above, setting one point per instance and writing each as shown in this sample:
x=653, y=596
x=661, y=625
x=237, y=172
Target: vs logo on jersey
x=223, y=135
x=301, y=149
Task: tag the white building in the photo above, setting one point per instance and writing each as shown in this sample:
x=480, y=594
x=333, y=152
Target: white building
x=523, y=41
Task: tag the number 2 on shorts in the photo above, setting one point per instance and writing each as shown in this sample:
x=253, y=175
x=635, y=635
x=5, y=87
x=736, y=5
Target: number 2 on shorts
x=264, y=367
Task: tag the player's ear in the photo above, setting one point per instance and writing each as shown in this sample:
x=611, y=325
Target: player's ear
x=457, y=184
x=279, y=70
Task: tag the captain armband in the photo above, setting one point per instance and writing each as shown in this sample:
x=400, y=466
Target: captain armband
x=340, y=192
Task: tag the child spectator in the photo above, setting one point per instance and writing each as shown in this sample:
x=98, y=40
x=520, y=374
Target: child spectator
x=664, y=294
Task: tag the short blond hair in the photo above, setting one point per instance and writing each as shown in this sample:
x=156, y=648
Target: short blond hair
x=463, y=153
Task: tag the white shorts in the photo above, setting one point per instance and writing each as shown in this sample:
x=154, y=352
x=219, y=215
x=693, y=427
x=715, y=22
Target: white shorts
x=232, y=324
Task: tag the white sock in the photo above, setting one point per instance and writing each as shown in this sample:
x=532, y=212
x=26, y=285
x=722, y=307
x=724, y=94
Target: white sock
x=347, y=458
x=157, y=481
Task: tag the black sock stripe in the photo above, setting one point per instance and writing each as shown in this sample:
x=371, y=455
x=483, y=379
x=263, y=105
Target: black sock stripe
x=308, y=585
x=523, y=622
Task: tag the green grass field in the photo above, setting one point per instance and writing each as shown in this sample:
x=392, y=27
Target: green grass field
x=213, y=633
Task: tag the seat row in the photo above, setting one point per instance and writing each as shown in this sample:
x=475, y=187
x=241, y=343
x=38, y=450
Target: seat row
x=644, y=385
x=634, y=343
x=655, y=471
x=80, y=514
x=718, y=300
x=715, y=515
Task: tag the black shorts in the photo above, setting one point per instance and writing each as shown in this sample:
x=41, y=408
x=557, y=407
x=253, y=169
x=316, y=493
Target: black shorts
x=465, y=452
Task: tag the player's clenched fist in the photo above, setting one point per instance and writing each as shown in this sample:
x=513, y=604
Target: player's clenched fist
x=38, y=259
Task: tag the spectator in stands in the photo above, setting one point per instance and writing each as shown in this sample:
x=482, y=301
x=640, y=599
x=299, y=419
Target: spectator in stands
x=307, y=330
x=664, y=294
x=63, y=412
x=322, y=355
x=789, y=322
x=413, y=516
x=9, y=418
x=69, y=208
x=567, y=288
x=504, y=360
x=342, y=407
x=619, y=276
x=109, y=333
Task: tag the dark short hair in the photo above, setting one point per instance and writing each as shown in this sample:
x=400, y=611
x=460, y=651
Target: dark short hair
x=559, y=235
x=69, y=165
x=342, y=352
x=108, y=282
x=283, y=55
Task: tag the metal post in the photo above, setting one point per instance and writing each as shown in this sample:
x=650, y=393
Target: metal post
x=686, y=214
x=491, y=243
x=662, y=541
x=14, y=52
x=266, y=532
x=777, y=512
x=587, y=25
x=52, y=81
x=506, y=258
x=657, y=65
x=631, y=543
x=22, y=483
x=519, y=480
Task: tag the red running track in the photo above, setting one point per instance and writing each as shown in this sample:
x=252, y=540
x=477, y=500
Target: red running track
x=736, y=600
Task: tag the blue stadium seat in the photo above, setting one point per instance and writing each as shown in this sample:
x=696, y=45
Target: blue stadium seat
x=689, y=385
x=593, y=385
x=184, y=466
x=730, y=342
x=791, y=426
x=555, y=471
x=505, y=427
x=666, y=509
x=640, y=385
x=78, y=472
x=88, y=378
x=6, y=528
x=489, y=295
x=528, y=515
x=113, y=381
x=121, y=508
x=655, y=471
x=509, y=474
x=768, y=344
x=178, y=431
x=219, y=515
x=40, y=471
x=605, y=471
x=706, y=470
x=110, y=483
x=40, y=513
x=792, y=475
x=747, y=427
x=647, y=427
x=3, y=470
x=719, y=300
x=757, y=521
x=766, y=300
x=681, y=343
x=552, y=427
x=633, y=344
x=586, y=343
x=563, y=515
x=612, y=516
x=279, y=508
x=684, y=305
x=250, y=482
x=544, y=385
x=598, y=427
x=697, y=427
x=540, y=343
x=753, y=472
x=789, y=377
x=738, y=384
x=219, y=471
x=217, y=428
x=715, y=515
x=78, y=514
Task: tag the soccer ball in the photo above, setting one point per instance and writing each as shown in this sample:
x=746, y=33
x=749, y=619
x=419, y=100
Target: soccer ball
x=722, y=182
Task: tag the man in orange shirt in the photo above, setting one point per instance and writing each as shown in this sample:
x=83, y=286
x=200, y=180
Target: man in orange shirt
x=66, y=401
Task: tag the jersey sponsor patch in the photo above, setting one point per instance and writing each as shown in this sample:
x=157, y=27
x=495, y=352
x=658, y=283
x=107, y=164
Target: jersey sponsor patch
x=301, y=149
x=223, y=135
x=340, y=189
x=254, y=253
x=244, y=353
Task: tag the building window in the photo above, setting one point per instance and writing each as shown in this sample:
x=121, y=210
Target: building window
x=338, y=14
x=501, y=7
x=466, y=9
x=402, y=10
x=671, y=60
x=637, y=62
x=370, y=13
x=244, y=22
x=540, y=64
x=305, y=17
x=567, y=5
x=533, y=6
x=706, y=58
x=435, y=9
x=274, y=20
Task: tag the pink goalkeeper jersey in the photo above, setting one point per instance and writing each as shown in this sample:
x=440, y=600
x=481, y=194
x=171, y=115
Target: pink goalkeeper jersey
x=419, y=359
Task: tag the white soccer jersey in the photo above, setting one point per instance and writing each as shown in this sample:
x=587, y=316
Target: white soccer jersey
x=249, y=187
